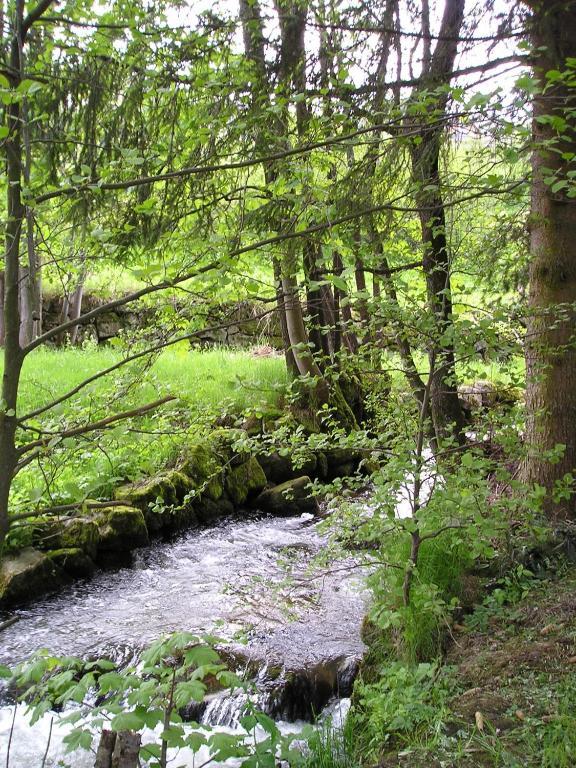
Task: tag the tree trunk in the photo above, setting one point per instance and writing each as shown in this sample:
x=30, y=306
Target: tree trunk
x=105, y=749
x=437, y=73
x=313, y=297
x=75, y=303
x=16, y=215
x=26, y=321
x=126, y=750
x=15, y=218
x=446, y=410
x=291, y=366
x=2, y=281
x=550, y=340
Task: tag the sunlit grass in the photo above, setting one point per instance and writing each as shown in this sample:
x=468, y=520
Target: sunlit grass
x=204, y=379
x=204, y=385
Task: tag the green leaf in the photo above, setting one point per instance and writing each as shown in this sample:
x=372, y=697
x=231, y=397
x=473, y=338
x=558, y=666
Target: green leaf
x=127, y=721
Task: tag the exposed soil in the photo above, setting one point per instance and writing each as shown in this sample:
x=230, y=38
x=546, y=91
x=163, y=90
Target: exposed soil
x=514, y=668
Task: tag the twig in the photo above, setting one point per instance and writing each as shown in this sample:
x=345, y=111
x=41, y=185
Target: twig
x=10, y=737
x=95, y=425
x=9, y=622
x=48, y=744
x=66, y=508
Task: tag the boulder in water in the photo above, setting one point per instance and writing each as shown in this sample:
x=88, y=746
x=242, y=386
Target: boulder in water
x=26, y=576
x=73, y=561
x=203, y=467
x=278, y=468
x=81, y=533
x=122, y=529
x=290, y=498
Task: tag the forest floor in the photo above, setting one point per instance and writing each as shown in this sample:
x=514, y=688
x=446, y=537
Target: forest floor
x=506, y=693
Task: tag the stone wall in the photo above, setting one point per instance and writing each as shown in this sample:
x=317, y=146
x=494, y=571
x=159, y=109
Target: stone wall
x=240, y=324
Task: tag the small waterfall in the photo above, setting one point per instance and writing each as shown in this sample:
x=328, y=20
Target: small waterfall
x=289, y=695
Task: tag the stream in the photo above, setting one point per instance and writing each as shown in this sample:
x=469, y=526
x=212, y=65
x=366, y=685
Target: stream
x=248, y=581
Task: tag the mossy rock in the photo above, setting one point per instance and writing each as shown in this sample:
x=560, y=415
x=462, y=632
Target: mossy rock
x=202, y=466
x=321, y=465
x=146, y=492
x=207, y=510
x=80, y=533
x=290, y=498
x=73, y=561
x=221, y=442
x=121, y=529
x=26, y=576
x=278, y=468
x=181, y=482
x=153, y=495
x=244, y=481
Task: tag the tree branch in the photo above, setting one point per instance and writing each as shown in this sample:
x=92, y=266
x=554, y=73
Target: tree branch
x=95, y=425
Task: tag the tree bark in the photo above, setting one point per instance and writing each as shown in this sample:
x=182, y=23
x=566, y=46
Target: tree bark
x=105, y=749
x=550, y=342
x=13, y=357
x=447, y=414
x=16, y=215
x=126, y=750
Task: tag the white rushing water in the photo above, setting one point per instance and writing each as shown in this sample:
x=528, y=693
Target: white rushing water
x=250, y=575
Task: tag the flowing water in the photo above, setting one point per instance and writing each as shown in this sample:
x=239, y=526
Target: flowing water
x=248, y=577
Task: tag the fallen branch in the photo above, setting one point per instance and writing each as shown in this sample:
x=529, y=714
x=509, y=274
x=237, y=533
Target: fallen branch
x=95, y=425
x=9, y=622
x=64, y=508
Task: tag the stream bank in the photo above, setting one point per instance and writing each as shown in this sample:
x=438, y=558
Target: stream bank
x=211, y=481
x=295, y=632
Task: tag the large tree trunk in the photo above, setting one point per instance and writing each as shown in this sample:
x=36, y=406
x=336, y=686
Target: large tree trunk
x=550, y=341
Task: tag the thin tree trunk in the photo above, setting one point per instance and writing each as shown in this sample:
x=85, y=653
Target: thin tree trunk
x=343, y=302
x=313, y=297
x=280, y=304
x=26, y=322
x=550, y=340
x=75, y=306
x=2, y=282
x=447, y=414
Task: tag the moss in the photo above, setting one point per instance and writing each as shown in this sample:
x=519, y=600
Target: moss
x=122, y=529
x=73, y=561
x=79, y=533
x=143, y=493
x=290, y=498
x=181, y=482
x=221, y=441
x=244, y=481
x=203, y=468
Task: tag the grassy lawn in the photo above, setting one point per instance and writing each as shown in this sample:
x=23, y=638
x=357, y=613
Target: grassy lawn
x=206, y=384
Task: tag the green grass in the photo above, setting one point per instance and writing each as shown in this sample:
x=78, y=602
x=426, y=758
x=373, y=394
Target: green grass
x=214, y=379
x=205, y=384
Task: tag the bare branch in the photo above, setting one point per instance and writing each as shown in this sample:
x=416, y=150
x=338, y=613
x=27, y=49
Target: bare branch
x=95, y=425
